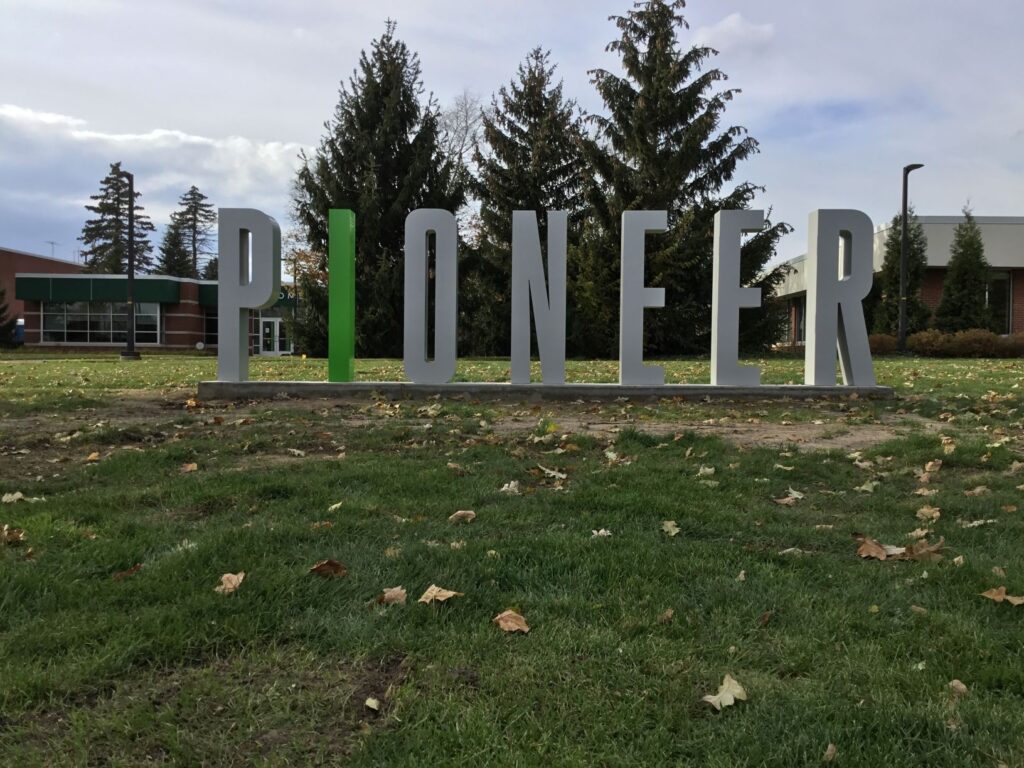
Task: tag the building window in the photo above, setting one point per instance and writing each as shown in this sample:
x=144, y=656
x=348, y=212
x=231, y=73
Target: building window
x=998, y=299
x=99, y=322
x=210, y=326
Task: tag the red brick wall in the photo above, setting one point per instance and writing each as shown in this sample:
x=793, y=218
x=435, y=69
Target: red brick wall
x=12, y=262
x=931, y=288
x=1017, y=292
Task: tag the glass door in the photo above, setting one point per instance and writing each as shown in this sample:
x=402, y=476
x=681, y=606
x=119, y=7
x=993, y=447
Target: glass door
x=274, y=337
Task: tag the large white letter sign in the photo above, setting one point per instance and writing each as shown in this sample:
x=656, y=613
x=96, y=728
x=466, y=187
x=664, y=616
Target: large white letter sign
x=728, y=296
x=834, y=296
x=548, y=299
x=249, y=279
x=635, y=297
x=418, y=226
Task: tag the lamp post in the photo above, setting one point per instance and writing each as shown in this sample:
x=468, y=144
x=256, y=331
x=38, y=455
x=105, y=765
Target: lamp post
x=904, y=247
x=129, y=353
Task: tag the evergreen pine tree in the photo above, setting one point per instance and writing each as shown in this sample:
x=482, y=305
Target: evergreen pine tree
x=105, y=238
x=196, y=218
x=887, y=311
x=532, y=162
x=963, y=305
x=381, y=158
x=175, y=260
x=7, y=323
x=210, y=269
x=660, y=147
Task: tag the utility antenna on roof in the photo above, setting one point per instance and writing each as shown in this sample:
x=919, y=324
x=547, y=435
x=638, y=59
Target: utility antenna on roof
x=53, y=244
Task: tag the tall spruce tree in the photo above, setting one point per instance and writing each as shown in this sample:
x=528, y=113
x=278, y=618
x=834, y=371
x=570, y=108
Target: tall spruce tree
x=381, y=157
x=532, y=161
x=105, y=238
x=887, y=311
x=661, y=147
x=175, y=260
x=963, y=305
x=209, y=270
x=196, y=217
x=7, y=322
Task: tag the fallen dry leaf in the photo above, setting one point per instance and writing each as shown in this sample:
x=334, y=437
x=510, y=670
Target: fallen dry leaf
x=958, y=688
x=552, y=472
x=372, y=703
x=329, y=569
x=998, y=594
x=948, y=444
x=997, y=571
x=392, y=596
x=705, y=471
x=122, y=575
x=604, y=533
x=12, y=537
x=976, y=523
x=959, y=560
x=670, y=528
x=783, y=467
x=296, y=452
x=436, y=594
x=933, y=466
x=869, y=548
x=511, y=488
x=981, y=490
x=830, y=753
x=14, y=498
x=190, y=467
x=764, y=618
x=392, y=552
x=230, y=582
x=322, y=524
x=463, y=516
x=335, y=507
x=666, y=616
x=786, y=501
x=729, y=692
x=94, y=456
x=928, y=514
x=1008, y=508
x=918, y=610
x=510, y=621
x=868, y=487
x=925, y=492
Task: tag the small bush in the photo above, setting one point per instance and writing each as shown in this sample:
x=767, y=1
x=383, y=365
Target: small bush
x=971, y=343
x=882, y=343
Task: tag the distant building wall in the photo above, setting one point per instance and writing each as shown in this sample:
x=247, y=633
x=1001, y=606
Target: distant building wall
x=12, y=262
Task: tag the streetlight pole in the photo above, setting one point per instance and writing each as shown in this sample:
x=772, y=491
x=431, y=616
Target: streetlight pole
x=129, y=353
x=904, y=247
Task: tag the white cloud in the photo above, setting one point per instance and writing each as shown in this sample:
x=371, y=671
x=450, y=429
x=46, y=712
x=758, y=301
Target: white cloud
x=735, y=32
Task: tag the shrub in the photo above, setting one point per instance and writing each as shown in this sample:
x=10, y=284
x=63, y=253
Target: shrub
x=975, y=342
x=882, y=343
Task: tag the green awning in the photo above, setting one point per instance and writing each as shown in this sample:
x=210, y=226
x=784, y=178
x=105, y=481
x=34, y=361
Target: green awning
x=86, y=288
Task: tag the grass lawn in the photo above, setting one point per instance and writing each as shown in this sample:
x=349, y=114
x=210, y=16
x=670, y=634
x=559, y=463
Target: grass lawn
x=106, y=663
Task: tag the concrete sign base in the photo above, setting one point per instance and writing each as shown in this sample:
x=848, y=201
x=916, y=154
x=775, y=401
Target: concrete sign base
x=265, y=390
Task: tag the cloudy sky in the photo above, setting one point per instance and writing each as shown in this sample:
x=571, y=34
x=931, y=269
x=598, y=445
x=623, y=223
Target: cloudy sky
x=225, y=93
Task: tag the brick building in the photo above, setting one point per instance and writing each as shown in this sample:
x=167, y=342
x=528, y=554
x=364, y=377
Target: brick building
x=67, y=310
x=1003, y=237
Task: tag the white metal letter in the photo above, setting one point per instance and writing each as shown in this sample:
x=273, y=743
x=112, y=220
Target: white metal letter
x=418, y=226
x=241, y=287
x=548, y=298
x=634, y=297
x=728, y=296
x=834, y=295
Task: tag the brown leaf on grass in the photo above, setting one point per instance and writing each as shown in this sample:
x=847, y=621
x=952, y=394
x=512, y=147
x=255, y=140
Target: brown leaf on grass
x=997, y=571
x=189, y=467
x=830, y=753
x=1009, y=508
x=871, y=549
x=998, y=594
x=868, y=487
x=510, y=621
x=372, y=703
x=918, y=533
x=764, y=618
x=933, y=466
x=329, y=569
x=230, y=582
x=436, y=594
x=948, y=444
x=12, y=537
x=463, y=516
x=981, y=490
x=94, y=456
x=392, y=596
x=336, y=507
x=670, y=528
x=958, y=689
x=786, y=501
x=927, y=492
x=393, y=552
x=666, y=616
x=918, y=610
x=122, y=575
x=928, y=514
x=322, y=524
x=1015, y=467
x=729, y=692
x=925, y=552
